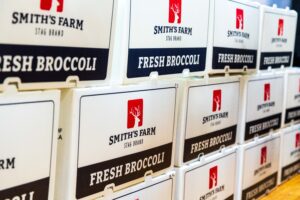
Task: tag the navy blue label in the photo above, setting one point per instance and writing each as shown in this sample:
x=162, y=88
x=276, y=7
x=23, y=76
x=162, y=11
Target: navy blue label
x=275, y=60
x=52, y=64
x=234, y=58
x=141, y=62
x=292, y=114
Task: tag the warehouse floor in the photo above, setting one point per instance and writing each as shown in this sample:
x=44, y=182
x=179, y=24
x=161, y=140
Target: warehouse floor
x=288, y=191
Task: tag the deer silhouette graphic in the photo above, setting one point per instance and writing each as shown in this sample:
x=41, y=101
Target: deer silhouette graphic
x=297, y=140
x=240, y=21
x=264, y=158
x=280, y=32
x=175, y=9
x=213, y=178
x=136, y=113
x=267, y=95
x=218, y=103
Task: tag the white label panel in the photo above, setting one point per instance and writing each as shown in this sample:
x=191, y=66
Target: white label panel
x=278, y=39
x=228, y=32
x=274, y=39
x=292, y=98
x=167, y=36
x=264, y=106
x=212, y=112
x=47, y=43
x=151, y=23
x=290, y=154
x=260, y=168
x=235, y=36
x=217, y=180
x=133, y=127
x=26, y=132
x=28, y=20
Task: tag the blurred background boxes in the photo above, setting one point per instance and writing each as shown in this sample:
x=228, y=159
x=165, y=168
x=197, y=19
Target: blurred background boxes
x=258, y=168
x=277, y=37
x=290, y=153
x=213, y=177
x=261, y=105
x=208, y=116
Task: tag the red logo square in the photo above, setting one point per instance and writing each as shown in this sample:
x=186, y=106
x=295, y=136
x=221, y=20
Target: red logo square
x=217, y=100
x=48, y=4
x=135, y=113
x=263, y=155
x=239, y=18
x=213, y=177
x=175, y=11
x=267, y=92
x=297, y=140
x=280, y=27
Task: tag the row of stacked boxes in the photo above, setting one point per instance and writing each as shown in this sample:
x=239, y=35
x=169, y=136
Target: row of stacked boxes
x=116, y=42
x=104, y=147
x=122, y=142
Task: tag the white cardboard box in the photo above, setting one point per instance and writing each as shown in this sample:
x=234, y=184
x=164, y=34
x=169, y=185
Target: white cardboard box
x=28, y=141
x=261, y=105
x=258, y=169
x=208, y=116
x=54, y=43
x=158, y=188
x=213, y=177
x=113, y=137
x=291, y=111
x=290, y=153
x=276, y=38
x=233, y=36
x=160, y=37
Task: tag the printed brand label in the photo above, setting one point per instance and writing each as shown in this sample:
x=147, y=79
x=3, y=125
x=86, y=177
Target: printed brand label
x=235, y=35
x=167, y=38
x=278, y=38
x=216, y=108
x=260, y=188
x=263, y=107
x=218, y=180
x=260, y=169
x=291, y=154
x=16, y=158
x=160, y=191
x=138, y=133
x=47, y=44
x=292, y=98
x=290, y=170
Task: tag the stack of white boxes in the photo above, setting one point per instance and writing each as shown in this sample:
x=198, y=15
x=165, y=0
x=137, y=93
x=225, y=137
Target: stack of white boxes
x=125, y=99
